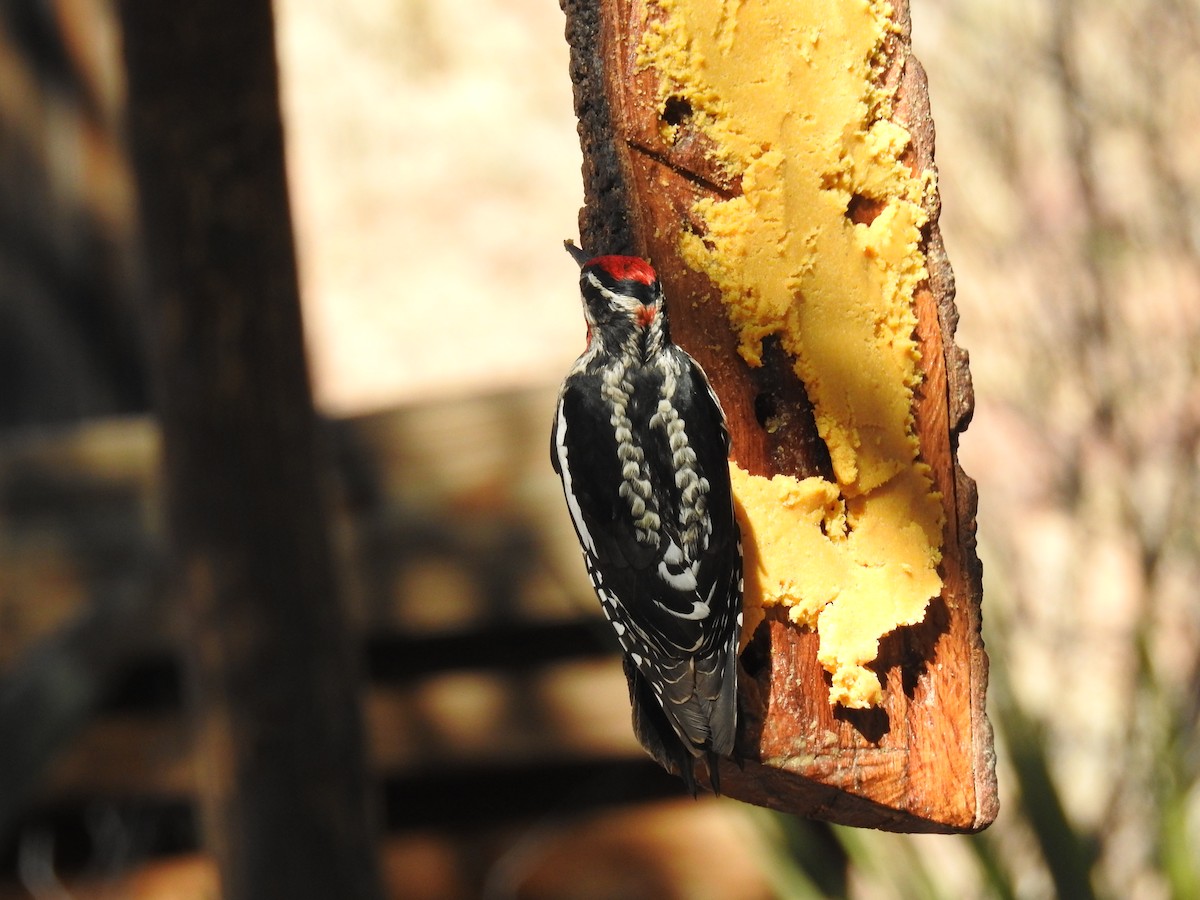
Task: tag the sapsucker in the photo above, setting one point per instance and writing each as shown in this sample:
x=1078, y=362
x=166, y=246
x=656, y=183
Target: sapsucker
x=641, y=446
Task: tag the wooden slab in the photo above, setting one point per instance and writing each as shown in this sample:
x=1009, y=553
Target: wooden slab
x=924, y=760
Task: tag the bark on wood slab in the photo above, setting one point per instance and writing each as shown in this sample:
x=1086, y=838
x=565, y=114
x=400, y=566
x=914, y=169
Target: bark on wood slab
x=923, y=761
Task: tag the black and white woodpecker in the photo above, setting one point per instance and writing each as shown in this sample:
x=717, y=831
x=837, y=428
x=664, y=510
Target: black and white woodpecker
x=641, y=446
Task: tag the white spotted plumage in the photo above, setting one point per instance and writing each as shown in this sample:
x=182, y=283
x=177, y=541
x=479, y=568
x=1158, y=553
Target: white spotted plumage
x=640, y=444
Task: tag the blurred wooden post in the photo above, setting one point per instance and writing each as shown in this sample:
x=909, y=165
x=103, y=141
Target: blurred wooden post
x=923, y=761
x=274, y=674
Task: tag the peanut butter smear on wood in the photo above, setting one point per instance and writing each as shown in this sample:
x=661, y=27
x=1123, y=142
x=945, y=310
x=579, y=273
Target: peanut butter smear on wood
x=788, y=92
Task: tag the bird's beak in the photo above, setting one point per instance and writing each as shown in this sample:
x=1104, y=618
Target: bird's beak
x=577, y=254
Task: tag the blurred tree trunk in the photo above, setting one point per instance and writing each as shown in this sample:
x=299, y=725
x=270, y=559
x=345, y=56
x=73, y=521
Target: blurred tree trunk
x=284, y=782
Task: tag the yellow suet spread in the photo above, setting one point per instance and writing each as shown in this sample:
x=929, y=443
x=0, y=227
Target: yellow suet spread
x=822, y=248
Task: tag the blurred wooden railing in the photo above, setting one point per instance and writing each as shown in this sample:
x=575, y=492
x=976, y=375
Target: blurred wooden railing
x=494, y=693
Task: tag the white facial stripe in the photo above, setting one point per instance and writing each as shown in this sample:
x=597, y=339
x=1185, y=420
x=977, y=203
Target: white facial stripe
x=628, y=305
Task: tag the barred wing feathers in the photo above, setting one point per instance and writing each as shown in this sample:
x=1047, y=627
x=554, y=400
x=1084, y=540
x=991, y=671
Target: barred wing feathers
x=671, y=583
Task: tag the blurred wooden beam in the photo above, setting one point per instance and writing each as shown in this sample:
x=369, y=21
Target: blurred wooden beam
x=473, y=718
x=275, y=679
x=50, y=695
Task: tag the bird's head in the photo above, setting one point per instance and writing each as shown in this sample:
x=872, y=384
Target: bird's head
x=621, y=296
